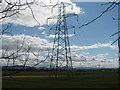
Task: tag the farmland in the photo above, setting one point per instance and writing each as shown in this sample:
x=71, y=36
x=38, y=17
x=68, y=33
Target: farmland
x=80, y=79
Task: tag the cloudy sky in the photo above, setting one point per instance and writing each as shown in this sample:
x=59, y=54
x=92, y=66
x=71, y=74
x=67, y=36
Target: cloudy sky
x=90, y=45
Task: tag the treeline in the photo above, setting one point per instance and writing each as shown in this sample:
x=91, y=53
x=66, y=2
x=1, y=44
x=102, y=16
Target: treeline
x=28, y=68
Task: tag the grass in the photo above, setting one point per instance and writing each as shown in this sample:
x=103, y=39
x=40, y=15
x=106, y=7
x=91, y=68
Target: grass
x=37, y=79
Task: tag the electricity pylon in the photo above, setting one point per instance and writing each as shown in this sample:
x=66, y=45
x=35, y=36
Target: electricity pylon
x=61, y=54
x=118, y=39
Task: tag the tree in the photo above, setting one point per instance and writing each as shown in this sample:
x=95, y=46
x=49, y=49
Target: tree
x=8, y=9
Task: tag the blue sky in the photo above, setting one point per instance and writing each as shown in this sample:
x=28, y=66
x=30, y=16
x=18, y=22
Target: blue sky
x=98, y=31
x=95, y=34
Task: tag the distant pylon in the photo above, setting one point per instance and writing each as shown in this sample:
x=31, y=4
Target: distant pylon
x=61, y=54
x=119, y=36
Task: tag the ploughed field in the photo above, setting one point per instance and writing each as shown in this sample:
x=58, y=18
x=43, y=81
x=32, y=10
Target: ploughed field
x=81, y=79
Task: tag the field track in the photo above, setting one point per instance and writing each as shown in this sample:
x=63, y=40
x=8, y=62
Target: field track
x=86, y=79
x=24, y=76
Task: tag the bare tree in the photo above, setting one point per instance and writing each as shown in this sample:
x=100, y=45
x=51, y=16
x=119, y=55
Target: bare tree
x=111, y=6
x=12, y=57
x=13, y=8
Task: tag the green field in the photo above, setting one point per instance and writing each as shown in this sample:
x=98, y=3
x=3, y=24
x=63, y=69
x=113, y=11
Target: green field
x=40, y=79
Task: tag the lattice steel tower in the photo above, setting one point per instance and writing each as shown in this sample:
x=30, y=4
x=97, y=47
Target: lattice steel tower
x=61, y=54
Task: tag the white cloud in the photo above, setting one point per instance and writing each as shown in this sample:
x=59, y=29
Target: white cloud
x=38, y=49
x=99, y=62
x=43, y=32
x=84, y=59
x=52, y=36
x=85, y=53
x=41, y=28
x=94, y=0
x=103, y=56
x=36, y=43
x=41, y=13
x=97, y=45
